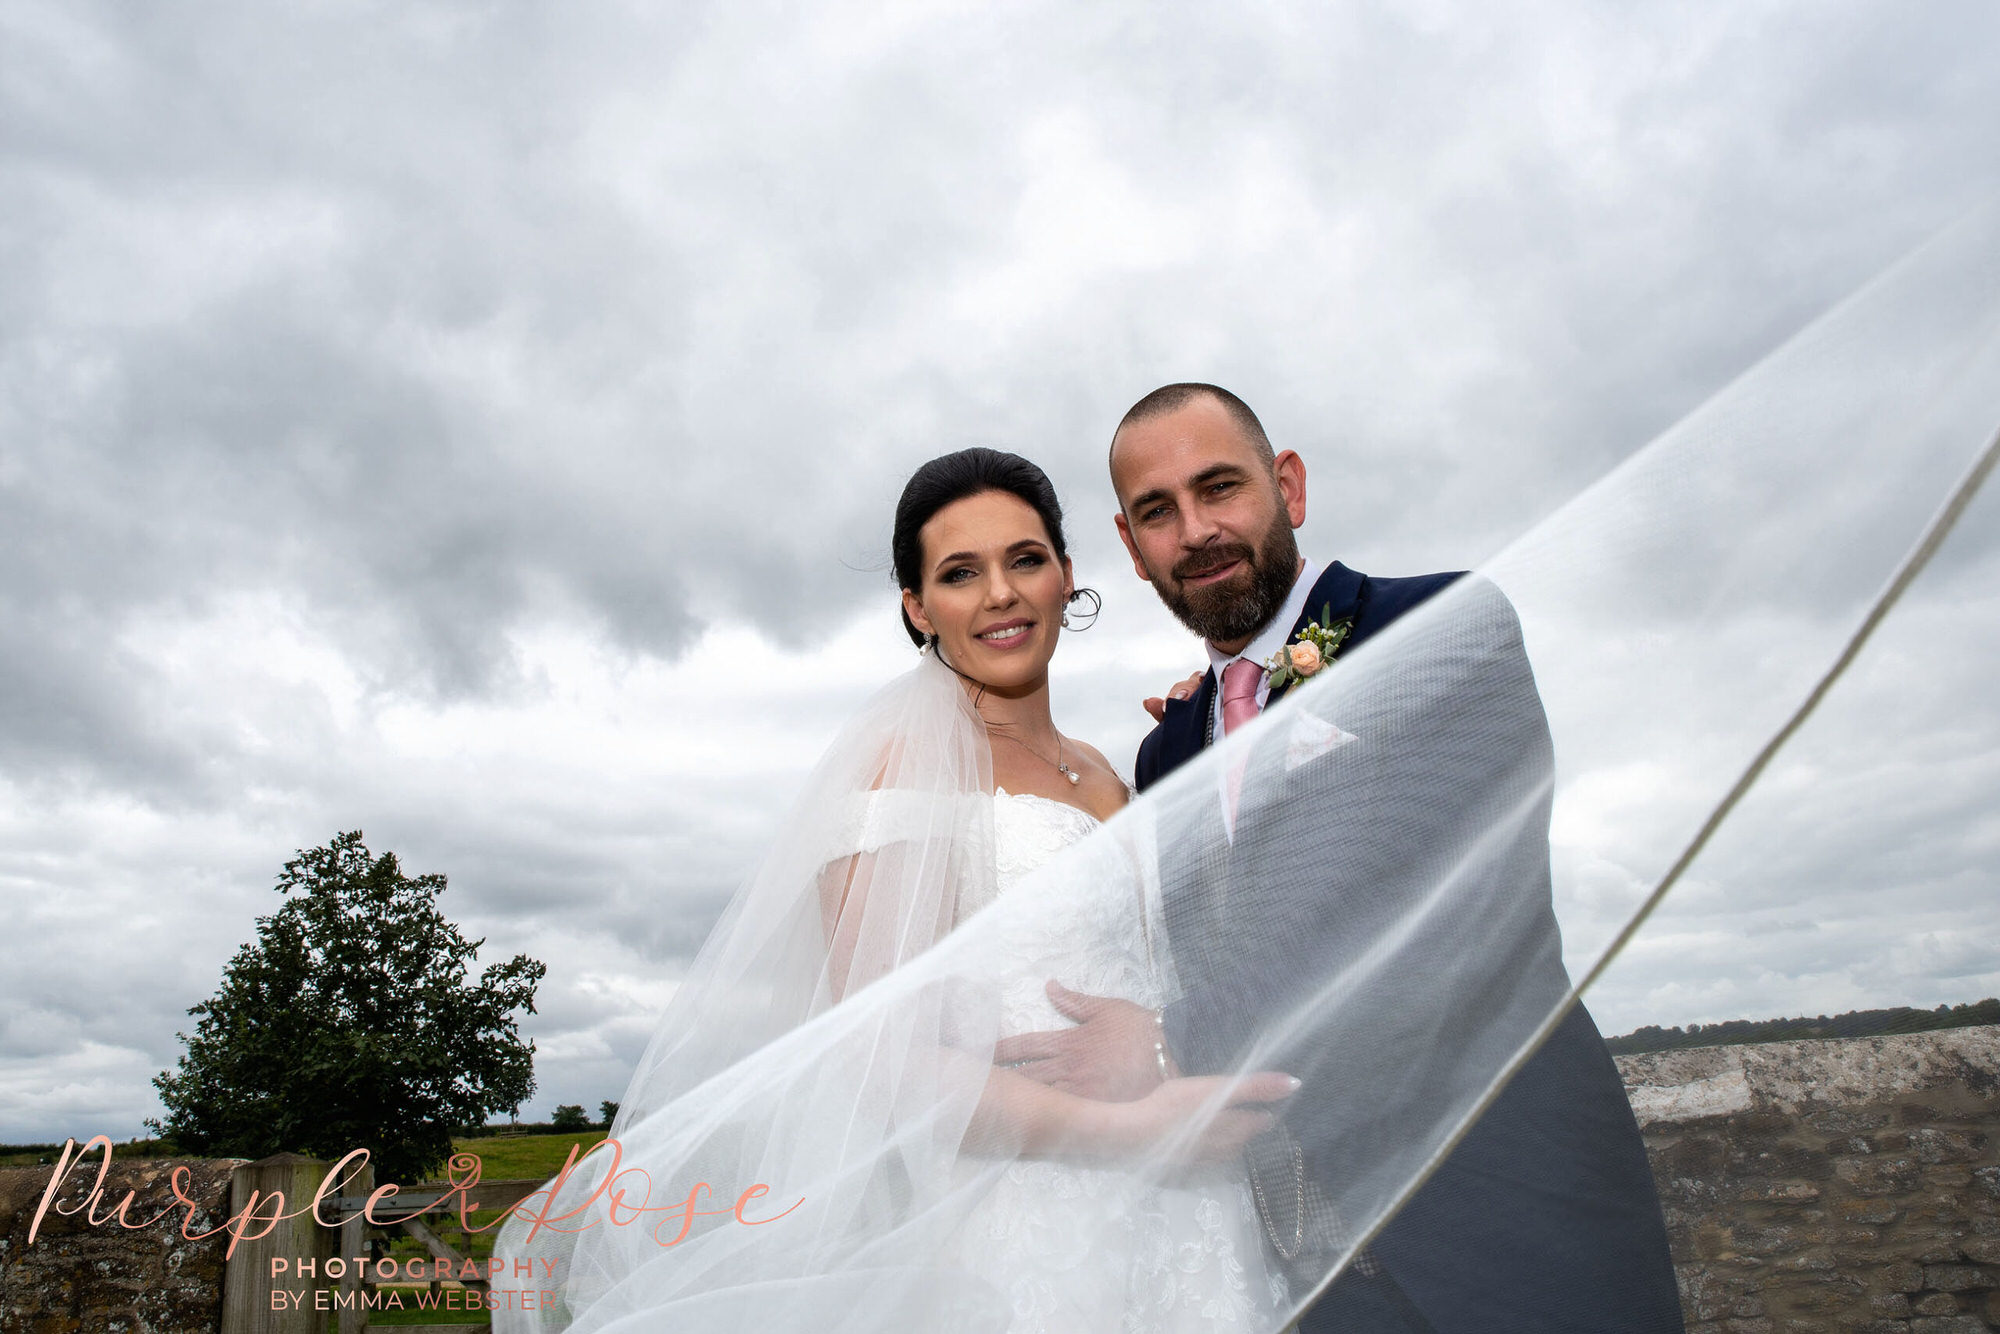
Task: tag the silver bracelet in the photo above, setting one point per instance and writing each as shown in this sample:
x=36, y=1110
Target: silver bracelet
x=1160, y=1043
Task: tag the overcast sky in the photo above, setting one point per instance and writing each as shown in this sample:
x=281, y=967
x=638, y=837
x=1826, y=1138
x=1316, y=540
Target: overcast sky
x=478, y=425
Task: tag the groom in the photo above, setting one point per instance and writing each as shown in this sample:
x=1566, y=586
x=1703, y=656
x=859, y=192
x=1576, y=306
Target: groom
x=1544, y=1217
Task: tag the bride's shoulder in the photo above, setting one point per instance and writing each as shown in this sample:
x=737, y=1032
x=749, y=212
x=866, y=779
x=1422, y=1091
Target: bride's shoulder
x=1100, y=768
x=866, y=821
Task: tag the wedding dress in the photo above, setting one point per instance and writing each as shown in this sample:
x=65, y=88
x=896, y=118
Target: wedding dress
x=1084, y=1249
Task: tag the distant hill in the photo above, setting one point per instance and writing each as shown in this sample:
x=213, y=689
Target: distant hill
x=1853, y=1024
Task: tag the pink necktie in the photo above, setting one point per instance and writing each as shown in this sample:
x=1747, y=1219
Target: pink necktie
x=1239, y=693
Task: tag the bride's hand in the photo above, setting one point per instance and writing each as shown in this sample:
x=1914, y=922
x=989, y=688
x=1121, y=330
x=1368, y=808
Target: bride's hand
x=1157, y=706
x=1249, y=1107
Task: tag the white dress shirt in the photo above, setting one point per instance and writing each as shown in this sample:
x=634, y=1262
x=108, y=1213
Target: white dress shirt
x=1268, y=641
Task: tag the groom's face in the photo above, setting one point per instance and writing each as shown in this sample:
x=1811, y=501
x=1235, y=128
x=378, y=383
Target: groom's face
x=1208, y=520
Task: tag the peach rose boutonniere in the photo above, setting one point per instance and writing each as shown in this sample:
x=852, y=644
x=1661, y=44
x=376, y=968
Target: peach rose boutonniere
x=1312, y=650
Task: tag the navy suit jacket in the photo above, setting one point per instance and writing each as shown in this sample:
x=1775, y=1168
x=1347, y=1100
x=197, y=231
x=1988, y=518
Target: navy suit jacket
x=1545, y=1217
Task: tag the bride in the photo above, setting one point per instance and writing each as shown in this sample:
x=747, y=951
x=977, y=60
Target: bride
x=979, y=554
x=834, y=1038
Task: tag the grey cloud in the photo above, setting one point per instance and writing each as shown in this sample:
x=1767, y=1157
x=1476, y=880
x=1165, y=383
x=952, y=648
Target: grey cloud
x=420, y=332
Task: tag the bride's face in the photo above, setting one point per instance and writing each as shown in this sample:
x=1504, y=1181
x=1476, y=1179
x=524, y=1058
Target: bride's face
x=993, y=590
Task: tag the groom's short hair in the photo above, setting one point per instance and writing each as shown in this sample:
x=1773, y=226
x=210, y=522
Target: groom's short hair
x=1169, y=397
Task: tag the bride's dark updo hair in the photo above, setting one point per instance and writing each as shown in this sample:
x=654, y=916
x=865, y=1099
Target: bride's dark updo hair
x=950, y=478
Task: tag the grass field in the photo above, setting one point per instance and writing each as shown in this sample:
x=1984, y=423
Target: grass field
x=501, y=1157
x=511, y=1157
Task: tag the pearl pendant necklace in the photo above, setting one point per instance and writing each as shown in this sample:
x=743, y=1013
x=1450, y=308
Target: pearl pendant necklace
x=1061, y=765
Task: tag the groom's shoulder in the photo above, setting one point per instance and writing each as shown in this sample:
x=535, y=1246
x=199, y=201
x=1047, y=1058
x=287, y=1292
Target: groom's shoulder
x=1476, y=601
x=1393, y=595
x=1399, y=593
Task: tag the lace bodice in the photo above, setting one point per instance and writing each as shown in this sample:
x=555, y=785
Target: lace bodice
x=1030, y=829
x=1082, y=1249
x=1095, y=936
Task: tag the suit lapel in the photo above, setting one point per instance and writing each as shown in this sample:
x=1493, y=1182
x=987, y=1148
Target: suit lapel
x=1339, y=591
x=1185, y=724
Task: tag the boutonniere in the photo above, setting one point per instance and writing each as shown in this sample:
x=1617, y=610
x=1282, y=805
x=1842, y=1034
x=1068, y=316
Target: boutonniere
x=1312, y=649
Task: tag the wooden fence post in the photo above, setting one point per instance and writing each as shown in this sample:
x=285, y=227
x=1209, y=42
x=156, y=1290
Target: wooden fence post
x=353, y=1246
x=248, y=1285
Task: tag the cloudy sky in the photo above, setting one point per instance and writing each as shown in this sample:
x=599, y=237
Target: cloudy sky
x=477, y=424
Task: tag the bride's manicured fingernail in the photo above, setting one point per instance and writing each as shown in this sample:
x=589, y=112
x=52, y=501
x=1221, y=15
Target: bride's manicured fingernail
x=1295, y=1082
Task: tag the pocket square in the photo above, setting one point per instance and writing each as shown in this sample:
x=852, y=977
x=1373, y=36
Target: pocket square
x=1312, y=737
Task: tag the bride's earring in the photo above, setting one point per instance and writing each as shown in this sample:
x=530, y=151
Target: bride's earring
x=1084, y=619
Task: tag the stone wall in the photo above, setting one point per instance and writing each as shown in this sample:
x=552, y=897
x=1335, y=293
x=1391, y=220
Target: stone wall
x=79, y=1279
x=1848, y=1185
x=1840, y=1185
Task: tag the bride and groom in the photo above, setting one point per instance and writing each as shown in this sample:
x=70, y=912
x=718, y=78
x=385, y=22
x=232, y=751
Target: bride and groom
x=1545, y=1215
x=1152, y=1092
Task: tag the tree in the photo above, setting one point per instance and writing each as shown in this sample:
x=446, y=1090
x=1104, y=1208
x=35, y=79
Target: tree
x=348, y=1023
x=569, y=1116
x=609, y=1111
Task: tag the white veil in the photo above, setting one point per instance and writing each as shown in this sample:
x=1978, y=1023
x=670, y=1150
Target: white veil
x=1381, y=918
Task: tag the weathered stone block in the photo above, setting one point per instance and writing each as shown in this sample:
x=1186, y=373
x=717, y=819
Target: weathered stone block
x=1693, y=1158
x=1807, y=1263
x=1770, y=1240
x=1710, y=1242
x=1955, y=1278
x=1872, y=1177
x=1936, y=1303
x=1893, y=1304
x=1843, y=1121
x=1932, y=1145
x=1949, y=1324
x=1779, y=1192
x=1705, y=1295
x=1796, y=1162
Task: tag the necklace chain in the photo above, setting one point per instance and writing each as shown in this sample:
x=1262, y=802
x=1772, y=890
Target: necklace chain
x=1057, y=763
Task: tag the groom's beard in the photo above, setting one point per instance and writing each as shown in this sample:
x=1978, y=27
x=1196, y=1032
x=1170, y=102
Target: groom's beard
x=1244, y=603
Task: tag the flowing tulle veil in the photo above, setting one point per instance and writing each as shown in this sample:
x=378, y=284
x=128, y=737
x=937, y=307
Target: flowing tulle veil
x=843, y=1079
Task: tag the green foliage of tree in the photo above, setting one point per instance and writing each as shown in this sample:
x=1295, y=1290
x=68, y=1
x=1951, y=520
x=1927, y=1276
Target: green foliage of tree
x=1853, y=1024
x=609, y=1111
x=349, y=1023
x=569, y=1116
